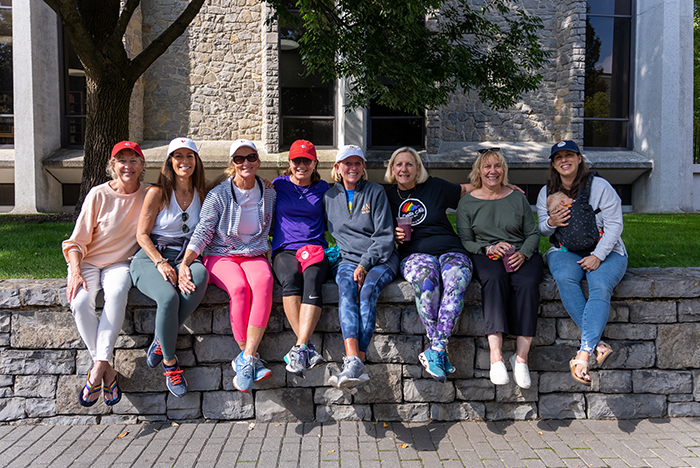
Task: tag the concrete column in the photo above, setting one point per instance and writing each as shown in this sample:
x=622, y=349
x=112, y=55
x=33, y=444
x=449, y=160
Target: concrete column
x=663, y=104
x=36, y=105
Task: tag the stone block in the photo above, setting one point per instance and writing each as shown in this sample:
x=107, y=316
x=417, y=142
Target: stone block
x=12, y=409
x=553, y=310
x=471, y=321
x=343, y=413
x=414, y=371
x=5, y=321
x=562, y=406
x=614, y=381
x=275, y=324
x=676, y=346
x=384, y=385
x=568, y=330
x=186, y=407
x=40, y=407
x=411, y=323
x=35, y=386
x=409, y=412
x=474, y=390
x=203, y=378
x=680, y=398
x=629, y=331
x=329, y=321
x=546, y=332
x=284, y=405
x=653, y=312
x=661, y=382
x=313, y=378
x=215, y=348
x=134, y=373
x=227, y=405
x=144, y=321
x=67, y=389
x=44, y=329
x=140, y=403
x=6, y=380
x=221, y=321
x=461, y=352
x=518, y=411
x=428, y=390
x=5, y=339
x=274, y=346
x=551, y=382
x=10, y=299
x=333, y=348
x=6, y=392
x=183, y=341
x=684, y=410
x=688, y=310
x=199, y=323
x=549, y=358
x=25, y=362
x=186, y=358
x=278, y=379
x=631, y=355
x=331, y=396
x=83, y=362
x=636, y=406
x=511, y=393
x=132, y=341
x=619, y=312
x=395, y=348
x=72, y=421
x=129, y=419
x=458, y=411
x=388, y=319
x=38, y=296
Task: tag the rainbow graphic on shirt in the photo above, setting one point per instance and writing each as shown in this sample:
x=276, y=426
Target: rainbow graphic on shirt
x=414, y=209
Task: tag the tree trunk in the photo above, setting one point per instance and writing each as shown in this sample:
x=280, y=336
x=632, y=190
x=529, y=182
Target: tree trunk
x=107, y=123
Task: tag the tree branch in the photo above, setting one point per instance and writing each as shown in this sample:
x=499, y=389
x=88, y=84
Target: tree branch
x=123, y=22
x=160, y=44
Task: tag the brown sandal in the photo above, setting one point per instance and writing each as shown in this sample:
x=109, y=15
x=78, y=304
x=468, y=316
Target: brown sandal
x=601, y=352
x=572, y=365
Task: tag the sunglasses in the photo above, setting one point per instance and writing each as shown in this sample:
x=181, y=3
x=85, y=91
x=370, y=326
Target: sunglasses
x=185, y=227
x=488, y=150
x=300, y=161
x=252, y=157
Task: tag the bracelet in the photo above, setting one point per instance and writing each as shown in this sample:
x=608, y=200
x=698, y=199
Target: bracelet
x=160, y=261
x=362, y=268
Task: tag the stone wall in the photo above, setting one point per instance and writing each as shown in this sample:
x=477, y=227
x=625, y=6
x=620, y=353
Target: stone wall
x=654, y=372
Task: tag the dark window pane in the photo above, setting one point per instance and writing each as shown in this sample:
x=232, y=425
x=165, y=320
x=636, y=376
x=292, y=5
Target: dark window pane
x=74, y=95
x=307, y=101
x=609, y=7
x=7, y=194
x=76, y=130
x=601, y=133
x=397, y=132
x=318, y=131
x=6, y=82
x=6, y=3
x=623, y=7
x=377, y=110
x=7, y=131
x=71, y=193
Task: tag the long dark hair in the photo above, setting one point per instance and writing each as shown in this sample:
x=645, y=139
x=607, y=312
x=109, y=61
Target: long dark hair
x=166, y=179
x=554, y=185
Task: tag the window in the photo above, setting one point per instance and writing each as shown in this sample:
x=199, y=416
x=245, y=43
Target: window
x=607, y=111
x=390, y=128
x=74, y=91
x=307, y=104
x=7, y=121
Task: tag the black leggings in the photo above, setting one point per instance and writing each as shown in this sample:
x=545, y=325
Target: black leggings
x=308, y=284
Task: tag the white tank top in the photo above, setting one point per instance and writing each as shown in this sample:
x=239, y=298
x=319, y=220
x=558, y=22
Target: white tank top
x=248, y=223
x=169, y=220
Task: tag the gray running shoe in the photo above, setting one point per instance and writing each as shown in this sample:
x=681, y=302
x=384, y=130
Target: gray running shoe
x=314, y=358
x=354, y=373
x=297, y=359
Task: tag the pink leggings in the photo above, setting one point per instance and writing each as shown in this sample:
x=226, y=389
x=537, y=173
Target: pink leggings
x=248, y=282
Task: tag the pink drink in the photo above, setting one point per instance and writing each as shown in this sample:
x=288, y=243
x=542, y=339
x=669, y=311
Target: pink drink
x=506, y=259
x=405, y=224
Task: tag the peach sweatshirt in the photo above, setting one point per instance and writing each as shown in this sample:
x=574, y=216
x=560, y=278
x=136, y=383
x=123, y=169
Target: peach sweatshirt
x=105, y=232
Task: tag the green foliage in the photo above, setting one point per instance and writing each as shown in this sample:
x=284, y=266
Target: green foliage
x=411, y=55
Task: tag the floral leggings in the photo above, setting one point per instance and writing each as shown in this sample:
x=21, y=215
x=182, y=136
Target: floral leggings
x=424, y=272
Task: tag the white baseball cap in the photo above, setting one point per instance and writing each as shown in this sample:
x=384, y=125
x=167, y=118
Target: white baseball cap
x=347, y=151
x=240, y=143
x=179, y=143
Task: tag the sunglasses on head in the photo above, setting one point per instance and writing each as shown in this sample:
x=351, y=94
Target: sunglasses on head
x=488, y=150
x=252, y=157
x=300, y=161
x=185, y=227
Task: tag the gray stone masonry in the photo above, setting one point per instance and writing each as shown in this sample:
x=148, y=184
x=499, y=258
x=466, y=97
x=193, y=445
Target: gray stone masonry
x=653, y=373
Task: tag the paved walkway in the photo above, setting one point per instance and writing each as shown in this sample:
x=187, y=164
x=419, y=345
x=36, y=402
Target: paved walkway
x=530, y=444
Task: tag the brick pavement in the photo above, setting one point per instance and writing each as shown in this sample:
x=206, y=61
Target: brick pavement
x=523, y=444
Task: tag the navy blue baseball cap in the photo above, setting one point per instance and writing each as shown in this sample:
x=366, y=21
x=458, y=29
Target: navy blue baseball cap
x=564, y=145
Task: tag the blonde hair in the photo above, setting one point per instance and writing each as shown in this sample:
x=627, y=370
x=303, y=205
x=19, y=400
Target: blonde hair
x=112, y=161
x=422, y=171
x=555, y=199
x=335, y=175
x=475, y=176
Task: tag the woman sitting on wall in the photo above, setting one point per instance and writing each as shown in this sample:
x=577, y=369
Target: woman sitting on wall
x=168, y=218
x=98, y=254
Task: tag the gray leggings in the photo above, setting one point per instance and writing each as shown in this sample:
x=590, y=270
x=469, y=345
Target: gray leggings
x=173, y=306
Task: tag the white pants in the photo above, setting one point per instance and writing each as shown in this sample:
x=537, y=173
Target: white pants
x=100, y=334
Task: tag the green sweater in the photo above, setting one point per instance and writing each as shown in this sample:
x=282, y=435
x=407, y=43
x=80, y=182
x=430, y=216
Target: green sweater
x=481, y=223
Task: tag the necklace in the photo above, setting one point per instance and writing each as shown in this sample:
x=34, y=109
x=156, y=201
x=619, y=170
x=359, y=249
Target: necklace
x=407, y=195
x=184, y=200
x=300, y=192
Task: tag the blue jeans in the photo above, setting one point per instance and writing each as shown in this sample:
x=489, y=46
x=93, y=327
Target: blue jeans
x=358, y=322
x=590, y=315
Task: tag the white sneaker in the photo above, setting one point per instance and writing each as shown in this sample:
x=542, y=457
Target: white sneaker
x=499, y=373
x=521, y=373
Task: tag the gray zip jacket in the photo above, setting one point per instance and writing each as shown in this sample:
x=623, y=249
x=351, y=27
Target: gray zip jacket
x=365, y=236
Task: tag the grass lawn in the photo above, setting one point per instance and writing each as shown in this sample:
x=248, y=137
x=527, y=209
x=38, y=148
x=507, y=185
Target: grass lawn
x=31, y=249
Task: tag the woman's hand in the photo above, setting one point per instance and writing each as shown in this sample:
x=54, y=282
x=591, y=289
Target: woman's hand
x=589, y=263
x=559, y=217
x=167, y=272
x=498, y=250
x=75, y=282
x=399, y=234
x=516, y=260
x=268, y=184
x=186, y=285
x=359, y=276
x=516, y=188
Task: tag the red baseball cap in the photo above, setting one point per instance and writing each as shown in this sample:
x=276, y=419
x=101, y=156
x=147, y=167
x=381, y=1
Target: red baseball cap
x=302, y=149
x=122, y=145
x=309, y=254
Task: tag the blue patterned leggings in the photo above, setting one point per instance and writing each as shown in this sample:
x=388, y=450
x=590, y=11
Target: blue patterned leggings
x=424, y=272
x=359, y=321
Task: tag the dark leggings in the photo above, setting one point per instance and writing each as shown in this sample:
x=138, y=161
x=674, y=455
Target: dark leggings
x=510, y=300
x=308, y=284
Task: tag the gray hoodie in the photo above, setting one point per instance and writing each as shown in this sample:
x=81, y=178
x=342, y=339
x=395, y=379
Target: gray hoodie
x=365, y=236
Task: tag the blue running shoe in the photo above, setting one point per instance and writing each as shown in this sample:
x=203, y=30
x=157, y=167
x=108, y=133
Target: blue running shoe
x=154, y=356
x=314, y=358
x=175, y=380
x=449, y=368
x=261, y=372
x=433, y=363
x=354, y=373
x=297, y=359
x=245, y=371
